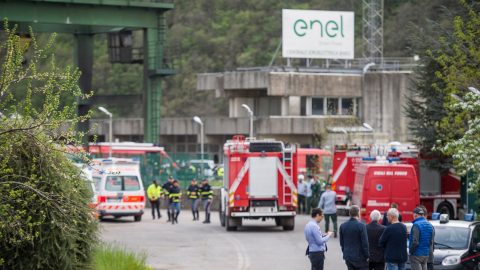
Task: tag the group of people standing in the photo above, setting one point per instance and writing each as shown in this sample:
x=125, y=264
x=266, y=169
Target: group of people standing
x=172, y=193
x=375, y=246
x=310, y=196
x=309, y=192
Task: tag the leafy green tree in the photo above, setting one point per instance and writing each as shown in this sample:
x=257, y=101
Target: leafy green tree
x=466, y=150
x=45, y=222
x=459, y=70
x=426, y=103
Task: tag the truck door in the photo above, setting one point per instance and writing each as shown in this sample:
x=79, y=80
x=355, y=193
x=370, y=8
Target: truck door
x=378, y=194
x=405, y=194
x=263, y=177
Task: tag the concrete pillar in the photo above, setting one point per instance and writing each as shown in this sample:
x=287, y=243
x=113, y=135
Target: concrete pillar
x=291, y=106
x=308, y=106
x=83, y=57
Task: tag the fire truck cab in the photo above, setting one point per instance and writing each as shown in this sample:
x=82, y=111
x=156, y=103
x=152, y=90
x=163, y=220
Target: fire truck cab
x=259, y=182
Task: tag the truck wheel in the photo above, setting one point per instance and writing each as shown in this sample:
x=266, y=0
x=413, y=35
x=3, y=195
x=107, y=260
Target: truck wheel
x=137, y=218
x=222, y=214
x=222, y=218
x=288, y=223
x=278, y=221
x=228, y=222
x=446, y=208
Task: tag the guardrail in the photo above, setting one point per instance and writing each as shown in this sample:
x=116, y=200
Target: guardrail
x=341, y=66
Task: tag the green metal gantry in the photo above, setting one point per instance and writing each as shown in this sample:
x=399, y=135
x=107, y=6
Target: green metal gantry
x=84, y=19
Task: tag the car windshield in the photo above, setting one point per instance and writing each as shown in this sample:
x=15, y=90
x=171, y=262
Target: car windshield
x=122, y=183
x=451, y=237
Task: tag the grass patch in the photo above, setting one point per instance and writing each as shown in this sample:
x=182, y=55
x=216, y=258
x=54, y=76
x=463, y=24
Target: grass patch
x=108, y=257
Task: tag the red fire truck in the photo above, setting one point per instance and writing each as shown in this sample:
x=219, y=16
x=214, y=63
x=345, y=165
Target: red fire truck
x=439, y=193
x=345, y=158
x=315, y=162
x=260, y=182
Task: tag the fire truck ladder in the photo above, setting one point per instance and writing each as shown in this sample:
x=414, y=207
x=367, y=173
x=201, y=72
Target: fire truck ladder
x=289, y=193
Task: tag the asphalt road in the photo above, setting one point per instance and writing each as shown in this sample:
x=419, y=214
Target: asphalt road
x=193, y=245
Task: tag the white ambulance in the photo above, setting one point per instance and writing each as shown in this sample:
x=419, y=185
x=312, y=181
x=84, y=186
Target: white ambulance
x=119, y=188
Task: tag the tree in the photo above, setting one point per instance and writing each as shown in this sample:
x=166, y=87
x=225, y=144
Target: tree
x=45, y=222
x=459, y=70
x=426, y=104
x=466, y=150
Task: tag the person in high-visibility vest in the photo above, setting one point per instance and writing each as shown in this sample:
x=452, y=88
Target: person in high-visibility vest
x=220, y=172
x=206, y=193
x=174, y=196
x=193, y=194
x=154, y=192
x=166, y=190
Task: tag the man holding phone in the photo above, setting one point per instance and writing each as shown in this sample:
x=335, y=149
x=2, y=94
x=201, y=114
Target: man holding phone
x=317, y=242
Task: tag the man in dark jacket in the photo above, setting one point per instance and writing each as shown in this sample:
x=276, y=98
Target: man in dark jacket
x=354, y=241
x=166, y=191
x=385, y=221
x=374, y=231
x=394, y=242
x=206, y=193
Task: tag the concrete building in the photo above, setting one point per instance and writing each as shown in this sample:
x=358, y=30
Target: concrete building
x=311, y=106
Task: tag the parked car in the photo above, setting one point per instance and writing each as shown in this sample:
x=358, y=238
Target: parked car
x=208, y=166
x=457, y=244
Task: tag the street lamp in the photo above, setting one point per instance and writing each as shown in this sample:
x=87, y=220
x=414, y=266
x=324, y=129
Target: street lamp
x=250, y=113
x=110, y=131
x=199, y=121
x=344, y=131
x=363, y=105
x=367, y=126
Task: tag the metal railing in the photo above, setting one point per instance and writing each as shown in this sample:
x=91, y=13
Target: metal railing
x=340, y=66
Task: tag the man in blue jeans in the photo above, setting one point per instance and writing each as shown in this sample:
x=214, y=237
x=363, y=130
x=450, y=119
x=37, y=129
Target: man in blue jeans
x=394, y=242
x=316, y=240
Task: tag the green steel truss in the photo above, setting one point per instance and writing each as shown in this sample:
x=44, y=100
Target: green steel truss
x=85, y=18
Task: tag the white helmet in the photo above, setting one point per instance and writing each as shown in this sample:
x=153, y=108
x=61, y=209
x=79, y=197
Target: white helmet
x=301, y=177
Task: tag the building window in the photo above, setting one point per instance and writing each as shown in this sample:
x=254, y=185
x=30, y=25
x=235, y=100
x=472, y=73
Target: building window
x=347, y=106
x=180, y=148
x=317, y=106
x=332, y=106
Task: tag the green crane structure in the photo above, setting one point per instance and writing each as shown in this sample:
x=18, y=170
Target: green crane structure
x=84, y=19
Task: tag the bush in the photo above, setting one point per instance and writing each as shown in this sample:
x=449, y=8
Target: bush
x=45, y=222
x=110, y=257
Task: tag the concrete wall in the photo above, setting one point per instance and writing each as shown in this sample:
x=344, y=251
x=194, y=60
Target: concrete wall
x=384, y=99
x=314, y=84
x=245, y=80
x=121, y=126
x=284, y=83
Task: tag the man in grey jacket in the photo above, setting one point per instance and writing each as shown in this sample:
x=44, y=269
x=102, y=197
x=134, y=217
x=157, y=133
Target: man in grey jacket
x=327, y=204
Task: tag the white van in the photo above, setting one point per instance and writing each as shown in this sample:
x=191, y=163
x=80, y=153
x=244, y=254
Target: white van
x=119, y=188
x=87, y=175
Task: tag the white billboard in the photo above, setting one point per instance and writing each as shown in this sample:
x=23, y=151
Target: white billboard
x=317, y=34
